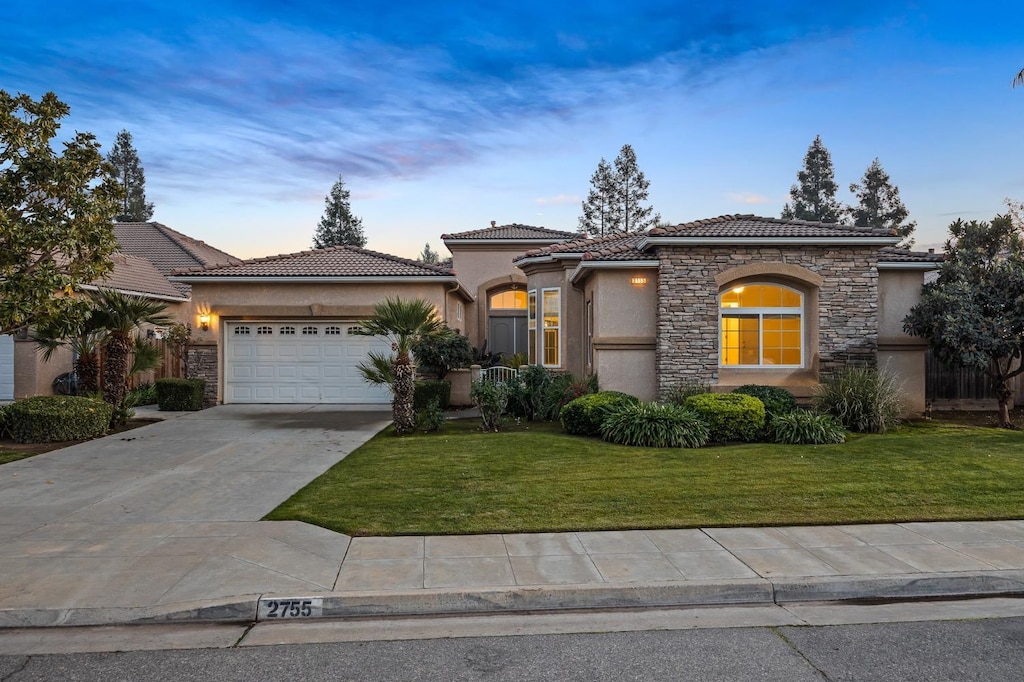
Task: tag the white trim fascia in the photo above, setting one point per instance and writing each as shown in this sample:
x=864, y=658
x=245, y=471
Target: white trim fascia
x=234, y=279
x=143, y=294
x=611, y=265
x=547, y=258
x=898, y=265
x=769, y=241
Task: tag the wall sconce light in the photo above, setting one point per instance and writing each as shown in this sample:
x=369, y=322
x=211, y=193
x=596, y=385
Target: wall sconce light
x=638, y=281
x=204, y=322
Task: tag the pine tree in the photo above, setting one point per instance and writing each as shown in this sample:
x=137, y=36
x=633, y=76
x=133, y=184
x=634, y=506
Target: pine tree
x=614, y=203
x=124, y=158
x=879, y=204
x=338, y=226
x=814, y=198
x=428, y=255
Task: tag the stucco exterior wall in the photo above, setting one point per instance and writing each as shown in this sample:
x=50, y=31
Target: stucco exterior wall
x=571, y=329
x=482, y=269
x=898, y=292
x=840, y=316
x=624, y=329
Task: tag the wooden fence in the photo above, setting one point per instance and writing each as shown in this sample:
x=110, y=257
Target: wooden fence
x=960, y=387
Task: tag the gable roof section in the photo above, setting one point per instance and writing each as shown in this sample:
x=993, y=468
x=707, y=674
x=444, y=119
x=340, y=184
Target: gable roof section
x=513, y=233
x=336, y=263
x=136, y=275
x=895, y=258
x=168, y=250
x=613, y=247
x=751, y=229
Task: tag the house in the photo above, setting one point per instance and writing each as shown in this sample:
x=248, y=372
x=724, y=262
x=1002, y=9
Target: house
x=147, y=253
x=726, y=301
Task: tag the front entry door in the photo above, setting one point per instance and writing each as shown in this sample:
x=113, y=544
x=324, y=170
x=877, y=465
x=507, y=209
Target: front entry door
x=506, y=334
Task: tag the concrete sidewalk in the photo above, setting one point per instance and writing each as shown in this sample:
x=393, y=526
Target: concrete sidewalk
x=162, y=524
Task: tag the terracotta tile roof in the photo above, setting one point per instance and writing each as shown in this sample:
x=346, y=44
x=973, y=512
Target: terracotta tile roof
x=757, y=226
x=892, y=254
x=609, y=247
x=167, y=249
x=335, y=261
x=513, y=231
x=137, y=275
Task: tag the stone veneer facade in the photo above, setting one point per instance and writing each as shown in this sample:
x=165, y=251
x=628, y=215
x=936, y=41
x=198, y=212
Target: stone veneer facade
x=846, y=324
x=202, y=364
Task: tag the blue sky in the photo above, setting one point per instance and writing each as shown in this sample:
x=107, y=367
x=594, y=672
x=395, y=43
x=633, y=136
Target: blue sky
x=444, y=116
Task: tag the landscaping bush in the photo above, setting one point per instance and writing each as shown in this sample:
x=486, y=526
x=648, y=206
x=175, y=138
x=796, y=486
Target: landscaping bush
x=730, y=416
x=562, y=390
x=3, y=421
x=174, y=395
x=678, y=393
x=143, y=394
x=442, y=353
x=801, y=427
x=777, y=401
x=52, y=418
x=655, y=426
x=584, y=415
x=491, y=398
x=430, y=417
x=862, y=399
x=526, y=394
x=430, y=391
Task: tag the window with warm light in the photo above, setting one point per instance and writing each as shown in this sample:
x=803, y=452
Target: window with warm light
x=761, y=325
x=509, y=300
x=551, y=311
x=531, y=326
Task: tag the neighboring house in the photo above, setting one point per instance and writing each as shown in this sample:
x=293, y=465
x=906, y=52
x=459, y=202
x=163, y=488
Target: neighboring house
x=724, y=302
x=727, y=301
x=147, y=253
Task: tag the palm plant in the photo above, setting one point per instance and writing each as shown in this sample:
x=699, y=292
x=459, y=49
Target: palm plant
x=121, y=315
x=84, y=340
x=404, y=322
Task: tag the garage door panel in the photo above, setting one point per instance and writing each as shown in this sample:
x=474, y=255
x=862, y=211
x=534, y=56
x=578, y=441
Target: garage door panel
x=317, y=364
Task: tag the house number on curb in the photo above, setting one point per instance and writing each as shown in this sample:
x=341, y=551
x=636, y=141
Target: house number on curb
x=300, y=607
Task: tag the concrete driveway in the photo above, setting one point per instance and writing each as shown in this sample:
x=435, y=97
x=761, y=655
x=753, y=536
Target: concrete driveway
x=166, y=513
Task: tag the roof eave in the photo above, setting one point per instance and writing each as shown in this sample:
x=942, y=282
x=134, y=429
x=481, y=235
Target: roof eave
x=488, y=241
x=581, y=269
x=903, y=265
x=132, y=292
x=546, y=258
x=874, y=240
x=309, y=279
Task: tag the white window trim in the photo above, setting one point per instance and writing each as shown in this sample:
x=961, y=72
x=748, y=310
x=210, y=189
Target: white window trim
x=761, y=312
x=531, y=323
x=542, y=329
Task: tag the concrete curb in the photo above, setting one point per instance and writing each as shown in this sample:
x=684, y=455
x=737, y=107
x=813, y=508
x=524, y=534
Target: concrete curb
x=752, y=592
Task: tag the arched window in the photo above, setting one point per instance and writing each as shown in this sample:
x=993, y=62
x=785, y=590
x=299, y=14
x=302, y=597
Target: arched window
x=761, y=325
x=510, y=299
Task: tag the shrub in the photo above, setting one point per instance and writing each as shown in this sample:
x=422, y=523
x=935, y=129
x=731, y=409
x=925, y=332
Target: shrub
x=143, y=394
x=584, y=415
x=431, y=417
x=51, y=418
x=777, y=401
x=730, y=416
x=654, y=426
x=175, y=395
x=431, y=391
x=526, y=394
x=801, y=427
x=562, y=390
x=491, y=398
x=443, y=353
x=3, y=421
x=678, y=393
x=862, y=399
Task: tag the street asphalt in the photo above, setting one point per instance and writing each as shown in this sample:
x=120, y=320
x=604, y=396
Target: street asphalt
x=162, y=524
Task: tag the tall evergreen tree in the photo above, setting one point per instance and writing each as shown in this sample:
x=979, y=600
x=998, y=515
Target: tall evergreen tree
x=814, y=197
x=125, y=160
x=428, y=255
x=338, y=226
x=879, y=204
x=614, y=203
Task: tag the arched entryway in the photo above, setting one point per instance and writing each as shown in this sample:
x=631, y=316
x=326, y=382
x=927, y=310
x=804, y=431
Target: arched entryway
x=506, y=321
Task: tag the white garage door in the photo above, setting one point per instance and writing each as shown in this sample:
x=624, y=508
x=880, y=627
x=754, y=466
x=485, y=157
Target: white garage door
x=298, y=362
x=6, y=367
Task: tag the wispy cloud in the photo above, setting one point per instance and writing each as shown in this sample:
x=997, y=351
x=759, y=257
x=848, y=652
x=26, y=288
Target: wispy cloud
x=558, y=199
x=748, y=198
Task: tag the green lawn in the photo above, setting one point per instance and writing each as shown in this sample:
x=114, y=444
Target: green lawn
x=532, y=478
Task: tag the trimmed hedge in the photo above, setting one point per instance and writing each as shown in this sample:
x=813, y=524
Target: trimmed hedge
x=651, y=425
x=730, y=416
x=55, y=418
x=431, y=391
x=777, y=401
x=178, y=395
x=584, y=415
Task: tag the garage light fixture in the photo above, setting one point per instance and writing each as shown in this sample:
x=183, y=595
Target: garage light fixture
x=204, y=322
